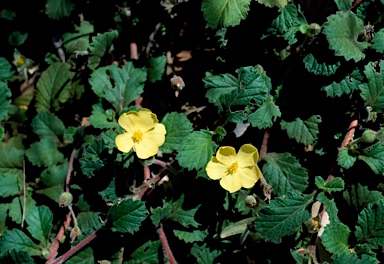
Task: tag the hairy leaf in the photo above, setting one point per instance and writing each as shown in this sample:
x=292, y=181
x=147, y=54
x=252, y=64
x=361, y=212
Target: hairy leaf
x=190, y=237
x=226, y=13
x=374, y=157
x=345, y=257
x=17, y=205
x=342, y=30
x=316, y=68
x=18, y=240
x=304, y=132
x=283, y=216
x=45, y=153
x=101, y=118
x=5, y=70
x=84, y=256
x=272, y=3
x=360, y=196
x=12, y=156
x=5, y=101
x=58, y=9
x=345, y=160
x=284, y=173
x=289, y=16
x=203, y=254
x=265, y=115
x=349, y=84
x=39, y=220
x=10, y=185
x=90, y=159
x=160, y=213
x=78, y=41
x=127, y=216
x=88, y=222
x=156, y=68
x=3, y=217
x=178, y=128
x=148, y=253
x=48, y=126
x=16, y=257
x=335, y=238
x=330, y=207
x=109, y=194
x=344, y=5
x=373, y=92
x=53, y=178
x=99, y=46
x=333, y=185
x=378, y=41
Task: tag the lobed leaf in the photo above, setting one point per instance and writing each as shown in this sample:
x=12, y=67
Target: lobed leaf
x=272, y=3
x=316, y=68
x=378, y=41
x=349, y=84
x=5, y=102
x=99, y=46
x=6, y=71
x=88, y=222
x=289, y=17
x=10, y=185
x=334, y=185
x=345, y=160
x=15, y=257
x=304, y=132
x=360, y=196
x=78, y=41
x=344, y=257
x=344, y=5
x=45, y=153
x=90, y=159
x=48, y=126
x=190, y=237
x=101, y=118
x=178, y=128
x=156, y=68
x=203, y=255
x=53, y=178
x=265, y=115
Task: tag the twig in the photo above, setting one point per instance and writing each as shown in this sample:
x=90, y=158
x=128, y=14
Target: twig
x=264, y=145
x=166, y=247
x=69, y=170
x=59, y=236
x=24, y=197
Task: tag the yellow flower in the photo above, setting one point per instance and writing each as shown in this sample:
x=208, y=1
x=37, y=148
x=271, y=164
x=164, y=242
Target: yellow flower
x=143, y=133
x=235, y=170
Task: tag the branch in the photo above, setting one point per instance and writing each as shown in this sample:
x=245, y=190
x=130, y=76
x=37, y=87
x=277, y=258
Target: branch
x=59, y=236
x=166, y=247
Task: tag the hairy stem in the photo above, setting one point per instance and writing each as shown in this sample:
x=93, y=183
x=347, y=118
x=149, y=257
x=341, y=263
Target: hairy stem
x=59, y=236
x=264, y=145
x=166, y=247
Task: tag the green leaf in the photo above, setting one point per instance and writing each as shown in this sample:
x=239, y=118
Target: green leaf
x=88, y=222
x=16, y=38
x=99, y=46
x=283, y=216
x=252, y=83
x=236, y=228
x=128, y=84
x=289, y=16
x=284, y=173
x=227, y=13
x=304, y=132
x=370, y=226
x=127, y=216
x=349, y=84
x=160, y=213
x=11, y=158
x=5, y=95
x=265, y=115
x=190, y=237
x=330, y=207
x=335, y=238
x=156, y=68
x=101, y=118
x=203, y=254
x=85, y=256
x=342, y=30
x=333, y=185
x=15, y=257
x=148, y=253
x=373, y=92
x=17, y=205
x=9, y=185
x=360, y=197
x=378, y=41
x=345, y=160
x=6, y=71
x=374, y=157
x=39, y=220
x=3, y=217
x=178, y=128
x=272, y=3
x=57, y=9
x=53, y=178
x=17, y=240
x=109, y=194
x=345, y=257
x=48, y=126
x=44, y=153
x=90, y=159
x=196, y=150
x=53, y=87
x=316, y=68
x=78, y=41
x=344, y=5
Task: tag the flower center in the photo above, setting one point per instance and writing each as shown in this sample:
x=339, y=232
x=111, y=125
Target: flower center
x=137, y=136
x=233, y=168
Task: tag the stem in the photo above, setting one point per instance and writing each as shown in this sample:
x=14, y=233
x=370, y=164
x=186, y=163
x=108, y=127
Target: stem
x=69, y=170
x=166, y=247
x=59, y=236
x=263, y=149
x=147, y=173
x=160, y=162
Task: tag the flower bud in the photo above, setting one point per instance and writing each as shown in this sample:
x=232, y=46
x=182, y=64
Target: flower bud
x=177, y=83
x=313, y=30
x=65, y=199
x=368, y=136
x=251, y=201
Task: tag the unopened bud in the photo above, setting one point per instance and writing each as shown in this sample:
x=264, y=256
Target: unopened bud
x=313, y=30
x=65, y=199
x=368, y=136
x=177, y=83
x=251, y=201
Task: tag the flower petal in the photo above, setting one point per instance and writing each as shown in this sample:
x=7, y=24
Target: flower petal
x=215, y=169
x=231, y=182
x=146, y=148
x=247, y=156
x=129, y=121
x=249, y=176
x=226, y=155
x=124, y=142
x=147, y=119
x=156, y=135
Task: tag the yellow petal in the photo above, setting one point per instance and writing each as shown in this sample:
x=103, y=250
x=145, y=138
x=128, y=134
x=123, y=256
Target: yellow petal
x=247, y=155
x=215, y=169
x=231, y=183
x=146, y=148
x=124, y=142
x=129, y=121
x=156, y=135
x=249, y=176
x=226, y=155
x=147, y=119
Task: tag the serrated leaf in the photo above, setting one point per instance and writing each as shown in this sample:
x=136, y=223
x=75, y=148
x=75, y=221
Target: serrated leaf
x=15, y=257
x=12, y=156
x=334, y=185
x=3, y=218
x=378, y=41
x=374, y=157
x=252, y=83
x=99, y=46
x=101, y=118
x=313, y=66
x=178, y=128
x=109, y=194
x=360, y=197
x=370, y=226
x=330, y=207
x=304, y=132
x=17, y=205
x=45, y=153
x=227, y=13
x=373, y=91
x=160, y=213
x=5, y=101
x=335, y=238
x=58, y=9
x=9, y=185
x=18, y=240
x=344, y=5
x=196, y=150
x=345, y=257
x=236, y=228
x=345, y=160
x=5, y=70
x=148, y=253
x=203, y=255
x=88, y=222
x=78, y=41
x=156, y=68
x=342, y=30
x=90, y=159
x=84, y=256
x=185, y=218
x=346, y=86
x=53, y=178
x=128, y=84
x=289, y=16
x=284, y=173
x=190, y=237
x=236, y=117
x=283, y=216
x=48, y=126
x=53, y=87
x=272, y=3
x=265, y=115
x=16, y=38
x=127, y=216
x=39, y=220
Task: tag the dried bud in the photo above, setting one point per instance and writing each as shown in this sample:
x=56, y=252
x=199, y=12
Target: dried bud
x=66, y=199
x=75, y=232
x=368, y=136
x=177, y=83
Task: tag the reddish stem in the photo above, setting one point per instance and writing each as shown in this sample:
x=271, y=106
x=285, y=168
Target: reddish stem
x=160, y=162
x=264, y=145
x=147, y=173
x=166, y=247
x=59, y=236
